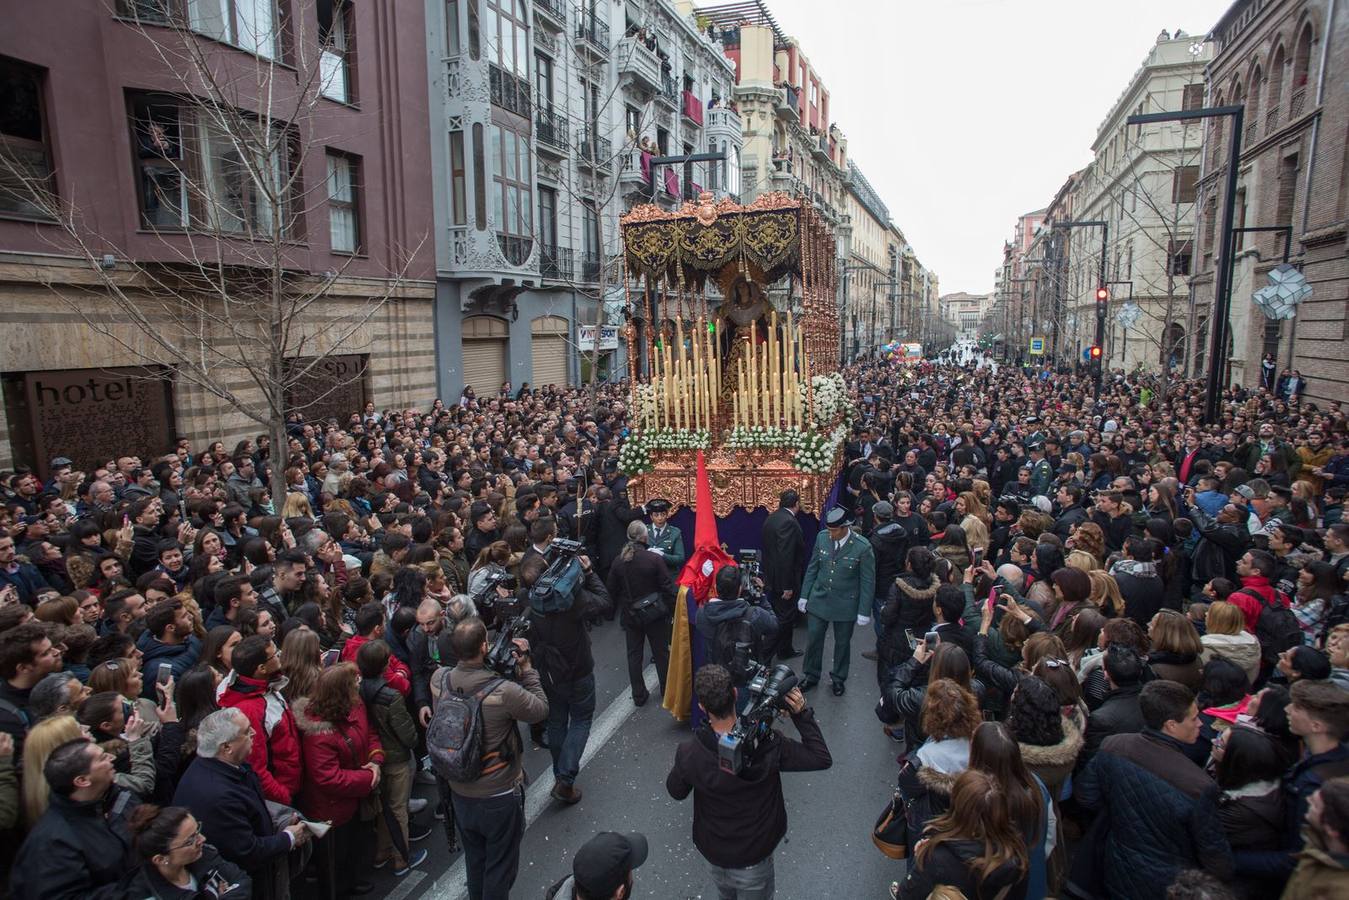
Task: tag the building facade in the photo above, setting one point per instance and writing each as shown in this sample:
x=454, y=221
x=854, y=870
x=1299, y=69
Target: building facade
x=103, y=111
x=548, y=123
x=870, y=278
x=1280, y=61
x=965, y=312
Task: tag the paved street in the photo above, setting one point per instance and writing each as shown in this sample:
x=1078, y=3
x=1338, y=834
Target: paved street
x=827, y=851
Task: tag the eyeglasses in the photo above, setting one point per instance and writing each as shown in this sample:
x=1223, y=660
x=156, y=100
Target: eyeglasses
x=196, y=838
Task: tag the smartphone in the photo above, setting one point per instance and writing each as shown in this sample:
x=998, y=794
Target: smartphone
x=993, y=597
x=164, y=673
x=977, y=554
x=931, y=639
x=908, y=636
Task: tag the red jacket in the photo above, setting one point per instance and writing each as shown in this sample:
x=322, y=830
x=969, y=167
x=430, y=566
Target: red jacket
x=276, y=741
x=334, y=780
x=396, y=673
x=1249, y=606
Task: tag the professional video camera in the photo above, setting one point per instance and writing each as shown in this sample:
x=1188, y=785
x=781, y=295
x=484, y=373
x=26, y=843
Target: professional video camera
x=555, y=589
x=768, y=691
x=502, y=655
x=750, y=563
x=487, y=597
x=561, y=548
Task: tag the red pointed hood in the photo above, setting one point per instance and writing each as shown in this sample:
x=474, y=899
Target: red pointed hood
x=707, y=558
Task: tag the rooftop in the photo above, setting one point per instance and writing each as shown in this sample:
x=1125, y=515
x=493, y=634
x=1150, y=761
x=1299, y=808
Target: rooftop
x=744, y=12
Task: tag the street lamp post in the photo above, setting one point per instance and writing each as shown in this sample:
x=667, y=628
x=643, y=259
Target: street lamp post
x=1101, y=286
x=1222, y=300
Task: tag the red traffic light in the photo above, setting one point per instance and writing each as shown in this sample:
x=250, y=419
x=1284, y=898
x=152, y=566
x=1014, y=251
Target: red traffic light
x=1095, y=351
x=1102, y=294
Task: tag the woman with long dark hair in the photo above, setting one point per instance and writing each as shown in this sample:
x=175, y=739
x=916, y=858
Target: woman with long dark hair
x=1030, y=808
x=1252, y=807
x=907, y=608
x=975, y=847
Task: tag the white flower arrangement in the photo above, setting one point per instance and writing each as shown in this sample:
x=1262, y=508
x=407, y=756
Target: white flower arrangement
x=830, y=400
x=678, y=439
x=816, y=452
x=633, y=456
x=750, y=437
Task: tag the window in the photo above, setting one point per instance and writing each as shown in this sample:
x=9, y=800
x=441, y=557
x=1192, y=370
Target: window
x=1193, y=97
x=507, y=33
x=479, y=179
x=247, y=24
x=153, y=11
x=335, y=31
x=457, y=186
x=1283, y=210
x=1178, y=256
x=543, y=82
x=712, y=168
x=23, y=138
x=343, y=221
x=512, y=180
x=198, y=172
x=548, y=217
x=663, y=141
x=632, y=119
x=1184, y=182
x=452, y=37
x=474, y=31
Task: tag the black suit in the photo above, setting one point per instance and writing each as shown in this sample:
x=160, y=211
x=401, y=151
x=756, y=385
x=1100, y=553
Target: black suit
x=613, y=517
x=784, y=564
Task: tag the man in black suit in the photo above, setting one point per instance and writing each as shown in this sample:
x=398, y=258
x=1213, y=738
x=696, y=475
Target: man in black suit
x=612, y=515
x=784, y=562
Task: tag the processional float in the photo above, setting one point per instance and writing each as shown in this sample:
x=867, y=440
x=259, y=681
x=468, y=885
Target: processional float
x=732, y=342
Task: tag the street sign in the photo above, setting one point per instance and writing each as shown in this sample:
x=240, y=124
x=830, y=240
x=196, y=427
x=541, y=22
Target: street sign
x=1037, y=346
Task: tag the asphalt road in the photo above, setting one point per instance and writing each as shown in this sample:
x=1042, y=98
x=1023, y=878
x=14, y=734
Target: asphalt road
x=827, y=851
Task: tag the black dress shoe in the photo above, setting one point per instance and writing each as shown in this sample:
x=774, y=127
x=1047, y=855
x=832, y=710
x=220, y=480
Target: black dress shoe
x=869, y=654
x=838, y=688
x=808, y=683
x=641, y=701
x=360, y=889
x=792, y=653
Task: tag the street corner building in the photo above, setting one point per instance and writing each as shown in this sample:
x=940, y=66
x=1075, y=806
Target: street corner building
x=142, y=212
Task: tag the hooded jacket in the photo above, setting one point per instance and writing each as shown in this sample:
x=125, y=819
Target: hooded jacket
x=335, y=755
x=389, y=715
x=889, y=542
x=1319, y=873
x=926, y=778
x=717, y=613
x=395, y=673
x=909, y=606
x=77, y=850
x=1242, y=649
x=1054, y=763
x=276, y=740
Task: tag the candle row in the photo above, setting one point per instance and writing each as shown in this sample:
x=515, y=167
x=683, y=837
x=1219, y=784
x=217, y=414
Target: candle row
x=686, y=378
x=768, y=391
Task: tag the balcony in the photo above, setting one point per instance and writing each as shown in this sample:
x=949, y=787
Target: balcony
x=1272, y=121
x=692, y=109
x=593, y=151
x=550, y=132
x=551, y=13
x=1252, y=132
x=789, y=104
x=589, y=267
x=556, y=263
x=635, y=175
x=546, y=41
x=667, y=94
x=515, y=249
x=820, y=146
x=592, y=35
x=640, y=63
x=724, y=124
x=508, y=92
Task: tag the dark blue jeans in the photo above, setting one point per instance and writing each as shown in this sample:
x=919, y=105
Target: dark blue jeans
x=571, y=707
x=490, y=829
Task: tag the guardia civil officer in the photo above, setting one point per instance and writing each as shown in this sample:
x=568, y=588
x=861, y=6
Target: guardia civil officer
x=838, y=589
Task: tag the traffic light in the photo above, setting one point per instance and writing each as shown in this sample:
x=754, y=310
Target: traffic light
x=1102, y=294
x=1096, y=353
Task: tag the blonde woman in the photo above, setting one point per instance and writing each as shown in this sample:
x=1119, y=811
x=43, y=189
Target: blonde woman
x=1105, y=594
x=1082, y=561
x=297, y=506
x=975, y=520
x=44, y=737
x=1225, y=636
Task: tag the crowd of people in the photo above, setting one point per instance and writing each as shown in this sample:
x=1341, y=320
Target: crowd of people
x=1111, y=645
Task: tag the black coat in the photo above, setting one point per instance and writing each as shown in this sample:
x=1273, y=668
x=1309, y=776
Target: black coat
x=909, y=606
x=612, y=518
x=1143, y=596
x=889, y=542
x=1069, y=519
x=1220, y=546
x=147, y=882
x=559, y=641
x=227, y=801
x=951, y=864
x=1119, y=714
x=630, y=580
x=77, y=850
x=784, y=555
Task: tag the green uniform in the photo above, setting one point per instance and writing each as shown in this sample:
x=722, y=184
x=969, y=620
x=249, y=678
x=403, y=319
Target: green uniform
x=670, y=542
x=839, y=586
x=1041, y=477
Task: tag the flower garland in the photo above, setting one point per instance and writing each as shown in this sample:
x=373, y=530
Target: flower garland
x=634, y=456
x=830, y=400
x=813, y=452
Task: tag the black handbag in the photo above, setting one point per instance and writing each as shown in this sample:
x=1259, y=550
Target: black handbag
x=647, y=609
x=891, y=831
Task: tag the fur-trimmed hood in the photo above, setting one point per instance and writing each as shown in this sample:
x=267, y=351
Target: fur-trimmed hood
x=942, y=762
x=308, y=724
x=916, y=593
x=1061, y=754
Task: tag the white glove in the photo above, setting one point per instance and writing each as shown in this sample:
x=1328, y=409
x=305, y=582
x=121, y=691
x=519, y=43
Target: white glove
x=863, y=621
x=801, y=604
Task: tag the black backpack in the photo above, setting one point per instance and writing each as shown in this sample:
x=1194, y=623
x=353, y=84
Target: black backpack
x=1276, y=628
x=724, y=642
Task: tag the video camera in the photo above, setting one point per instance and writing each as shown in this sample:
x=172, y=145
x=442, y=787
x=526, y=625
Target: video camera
x=502, y=655
x=561, y=548
x=768, y=691
x=486, y=597
x=750, y=563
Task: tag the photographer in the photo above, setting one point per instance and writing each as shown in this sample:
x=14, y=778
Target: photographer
x=490, y=811
x=736, y=632
x=563, y=593
x=739, y=819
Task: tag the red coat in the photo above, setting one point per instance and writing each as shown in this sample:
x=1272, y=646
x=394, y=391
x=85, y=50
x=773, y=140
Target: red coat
x=1249, y=606
x=334, y=780
x=276, y=740
x=396, y=673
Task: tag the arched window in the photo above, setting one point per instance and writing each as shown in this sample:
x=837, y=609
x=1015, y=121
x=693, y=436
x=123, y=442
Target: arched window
x=1274, y=95
x=1253, y=106
x=1302, y=58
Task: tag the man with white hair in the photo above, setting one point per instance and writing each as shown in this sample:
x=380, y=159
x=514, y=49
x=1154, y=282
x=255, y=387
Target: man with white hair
x=224, y=794
x=1012, y=574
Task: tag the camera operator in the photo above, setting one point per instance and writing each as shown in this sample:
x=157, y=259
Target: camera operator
x=490, y=811
x=561, y=599
x=736, y=632
x=739, y=819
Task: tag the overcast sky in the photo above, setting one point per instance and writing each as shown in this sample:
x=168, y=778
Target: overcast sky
x=963, y=114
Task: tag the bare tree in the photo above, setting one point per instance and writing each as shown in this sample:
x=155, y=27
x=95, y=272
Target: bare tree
x=220, y=155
